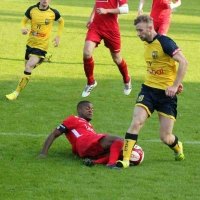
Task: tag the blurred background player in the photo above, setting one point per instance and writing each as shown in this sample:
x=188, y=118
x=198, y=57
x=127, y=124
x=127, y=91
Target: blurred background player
x=48, y=57
x=161, y=12
x=103, y=148
x=103, y=25
x=162, y=83
x=38, y=41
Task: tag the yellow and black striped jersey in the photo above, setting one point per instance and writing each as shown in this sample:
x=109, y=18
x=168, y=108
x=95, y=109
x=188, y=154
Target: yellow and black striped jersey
x=41, y=25
x=161, y=67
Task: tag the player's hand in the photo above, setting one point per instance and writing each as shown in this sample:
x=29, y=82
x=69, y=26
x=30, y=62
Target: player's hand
x=88, y=23
x=140, y=12
x=180, y=89
x=101, y=11
x=56, y=41
x=24, y=31
x=171, y=91
x=41, y=156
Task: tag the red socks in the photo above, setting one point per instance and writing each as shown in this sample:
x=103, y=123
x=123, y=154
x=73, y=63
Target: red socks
x=124, y=71
x=103, y=160
x=115, y=151
x=89, y=68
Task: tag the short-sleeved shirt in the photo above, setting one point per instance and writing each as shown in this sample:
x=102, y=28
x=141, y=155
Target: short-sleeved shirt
x=160, y=11
x=41, y=25
x=108, y=21
x=161, y=67
x=82, y=136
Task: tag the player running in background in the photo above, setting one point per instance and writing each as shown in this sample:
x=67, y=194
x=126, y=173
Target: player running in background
x=103, y=25
x=161, y=12
x=162, y=83
x=42, y=17
x=85, y=142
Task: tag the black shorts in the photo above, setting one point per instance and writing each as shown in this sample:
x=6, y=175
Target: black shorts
x=155, y=99
x=40, y=53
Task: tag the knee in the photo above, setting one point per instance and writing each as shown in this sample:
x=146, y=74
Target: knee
x=86, y=53
x=117, y=60
x=29, y=68
x=136, y=126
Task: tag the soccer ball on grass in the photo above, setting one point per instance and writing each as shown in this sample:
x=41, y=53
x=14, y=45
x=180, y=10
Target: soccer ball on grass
x=137, y=155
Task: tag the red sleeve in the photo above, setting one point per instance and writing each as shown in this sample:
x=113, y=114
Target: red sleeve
x=70, y=122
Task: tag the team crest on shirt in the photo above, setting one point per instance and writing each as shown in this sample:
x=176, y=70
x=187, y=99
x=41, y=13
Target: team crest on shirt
x=47, y=21
x=140, y=98
x=154, y=54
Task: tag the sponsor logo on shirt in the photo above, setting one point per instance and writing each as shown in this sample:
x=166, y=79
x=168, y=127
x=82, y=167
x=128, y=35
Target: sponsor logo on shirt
x=155, y=72
x=89, y=128
x=35, y=33
x=81, y=120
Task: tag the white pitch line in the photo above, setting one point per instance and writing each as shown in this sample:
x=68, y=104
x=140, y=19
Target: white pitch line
x=185, y=142
x=43, y=135
x=22, y=134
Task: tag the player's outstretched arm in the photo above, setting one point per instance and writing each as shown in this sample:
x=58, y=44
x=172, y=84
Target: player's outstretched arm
x=60, y=30
x=182, y=68
x=56, y=133
x=140, y=7
x=23, y=25
x=175, y=5
x=90, y=20
x=123, y=9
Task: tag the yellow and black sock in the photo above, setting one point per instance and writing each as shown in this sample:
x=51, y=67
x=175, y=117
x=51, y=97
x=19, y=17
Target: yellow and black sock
x=129, y=142
x=175, y=147
x=23, y=81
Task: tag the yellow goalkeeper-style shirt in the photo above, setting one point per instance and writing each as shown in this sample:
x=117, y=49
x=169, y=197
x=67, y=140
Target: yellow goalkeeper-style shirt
x=41, y=25
x=161, y=67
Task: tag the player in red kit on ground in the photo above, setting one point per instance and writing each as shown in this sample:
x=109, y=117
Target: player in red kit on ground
x=161, y=12
x=103, y=25
x=85, y=142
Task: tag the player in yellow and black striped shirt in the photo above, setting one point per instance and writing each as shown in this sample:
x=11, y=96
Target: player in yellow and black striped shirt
x=162, y=83
x=42, y=17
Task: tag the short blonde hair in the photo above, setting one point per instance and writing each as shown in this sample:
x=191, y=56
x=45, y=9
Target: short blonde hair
x=143, y=18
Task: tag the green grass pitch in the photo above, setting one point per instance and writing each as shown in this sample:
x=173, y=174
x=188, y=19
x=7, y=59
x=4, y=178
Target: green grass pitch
x=56, y=87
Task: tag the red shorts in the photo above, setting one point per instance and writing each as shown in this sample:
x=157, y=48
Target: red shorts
x=161, y=27
x=88, y=146
x=111, y=39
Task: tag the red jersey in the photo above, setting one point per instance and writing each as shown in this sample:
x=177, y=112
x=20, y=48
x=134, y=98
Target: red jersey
x=108, y=21
x=160, y=11
x=76, y=127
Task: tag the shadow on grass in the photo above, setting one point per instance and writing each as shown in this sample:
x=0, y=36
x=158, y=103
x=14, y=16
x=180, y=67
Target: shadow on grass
x=79, y=22
x=62, y=63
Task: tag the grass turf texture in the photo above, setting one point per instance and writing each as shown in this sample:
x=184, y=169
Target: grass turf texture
x=56, y=87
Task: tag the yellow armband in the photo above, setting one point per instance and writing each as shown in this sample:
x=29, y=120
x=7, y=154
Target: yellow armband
x=60, y=26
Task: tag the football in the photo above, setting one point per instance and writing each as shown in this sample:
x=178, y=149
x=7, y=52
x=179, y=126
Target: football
x=137, y=155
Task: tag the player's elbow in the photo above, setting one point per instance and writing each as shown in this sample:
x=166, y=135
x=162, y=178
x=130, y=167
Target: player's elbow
x=124, y=9
x=186, y=63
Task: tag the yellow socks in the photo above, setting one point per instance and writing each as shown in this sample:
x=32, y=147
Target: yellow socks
x=129, y=142
x=23, y=82
x=175, y=146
